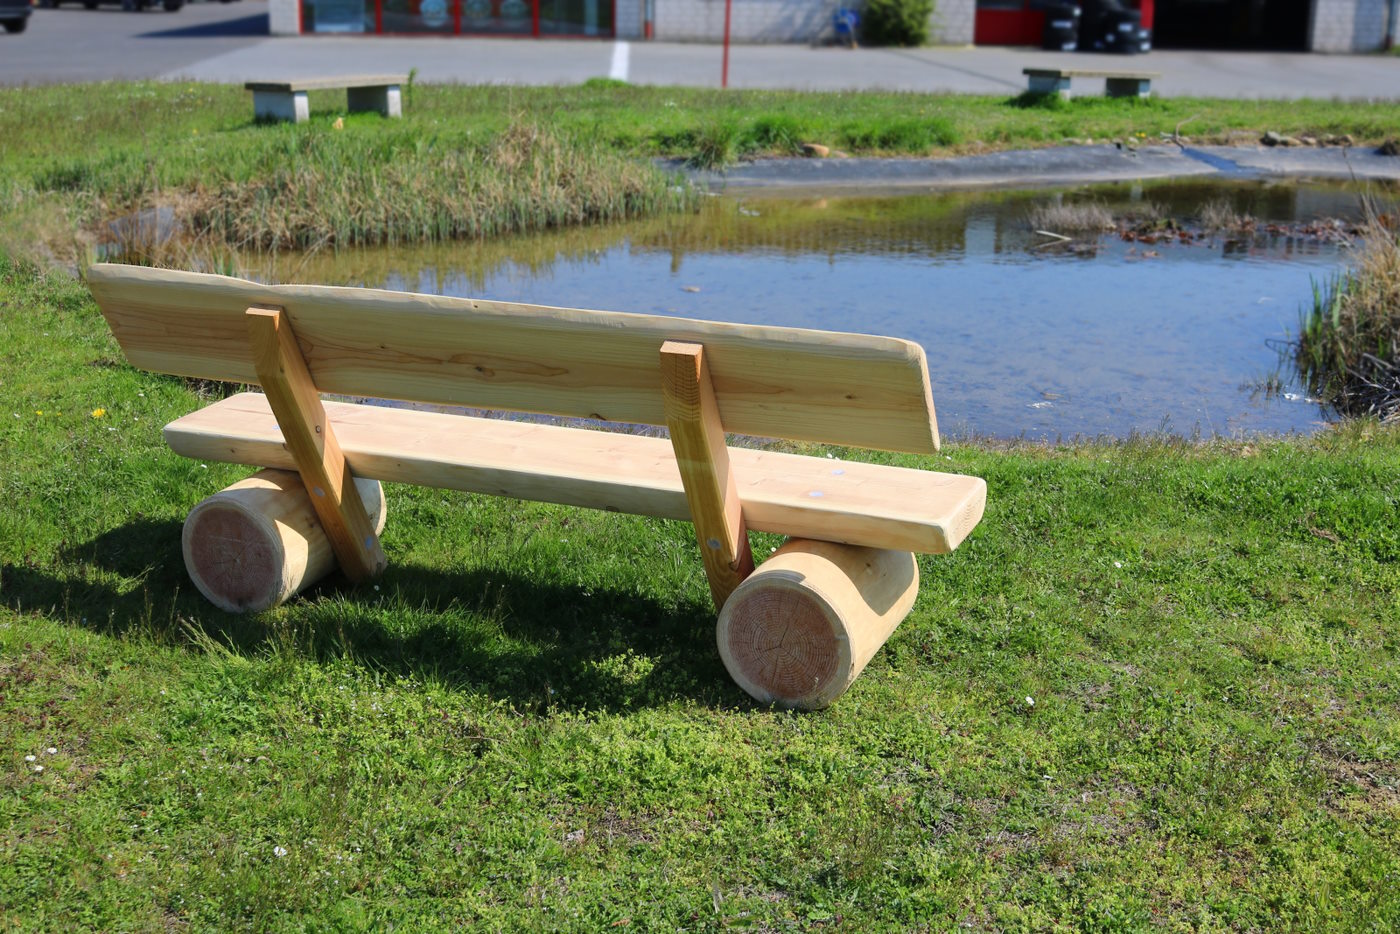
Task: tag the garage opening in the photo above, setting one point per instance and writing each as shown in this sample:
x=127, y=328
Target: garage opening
x=1272, y=25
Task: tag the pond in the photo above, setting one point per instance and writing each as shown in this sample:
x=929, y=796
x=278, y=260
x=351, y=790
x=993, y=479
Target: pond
x=1026, y=335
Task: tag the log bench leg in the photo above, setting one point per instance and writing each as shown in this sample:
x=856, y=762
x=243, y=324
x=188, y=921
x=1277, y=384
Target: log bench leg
x=802, y=626
x=1128, y=87
x=253, y=545
x=385, y=100
x=290, y=106
x=1049, y=84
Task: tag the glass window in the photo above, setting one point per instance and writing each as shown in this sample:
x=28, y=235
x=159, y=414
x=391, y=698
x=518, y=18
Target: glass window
x=337, y=16
x=498, y=16
x=576, y=17
x=420, y=16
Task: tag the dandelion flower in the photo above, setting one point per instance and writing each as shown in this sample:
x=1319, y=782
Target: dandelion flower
x=98, y=412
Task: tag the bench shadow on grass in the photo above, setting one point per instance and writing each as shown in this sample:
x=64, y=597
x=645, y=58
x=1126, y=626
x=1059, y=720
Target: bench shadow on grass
x=491, y=631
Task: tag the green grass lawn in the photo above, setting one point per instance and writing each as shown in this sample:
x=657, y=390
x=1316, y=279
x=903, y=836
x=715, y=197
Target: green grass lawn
x=474, y=162
x=1156, y=689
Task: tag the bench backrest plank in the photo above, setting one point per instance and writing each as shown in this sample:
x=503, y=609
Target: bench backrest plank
x=799, y=384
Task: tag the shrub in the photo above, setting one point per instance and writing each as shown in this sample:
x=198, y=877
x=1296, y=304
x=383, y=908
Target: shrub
x=896, y=22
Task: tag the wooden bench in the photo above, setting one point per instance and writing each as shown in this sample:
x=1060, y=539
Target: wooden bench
x=795, y=631
x=1116, y=83
x=286, y=100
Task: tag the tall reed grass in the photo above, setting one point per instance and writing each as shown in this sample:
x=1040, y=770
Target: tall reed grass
x=309, y=187
x=1348, y=340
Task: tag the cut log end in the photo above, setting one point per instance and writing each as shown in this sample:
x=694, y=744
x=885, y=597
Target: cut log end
x=253, y=545
x=800, y=629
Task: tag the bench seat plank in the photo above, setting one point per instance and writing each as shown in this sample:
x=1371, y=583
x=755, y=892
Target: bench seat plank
x=774, y=382
x=806, y=497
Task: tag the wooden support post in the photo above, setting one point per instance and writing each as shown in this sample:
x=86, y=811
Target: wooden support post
x=698, y=439
x=307, y=432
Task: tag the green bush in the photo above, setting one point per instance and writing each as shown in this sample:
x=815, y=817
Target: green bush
x=896, y=22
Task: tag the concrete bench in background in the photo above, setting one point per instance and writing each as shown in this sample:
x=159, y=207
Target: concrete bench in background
x=1116, y=83
x=286, y=100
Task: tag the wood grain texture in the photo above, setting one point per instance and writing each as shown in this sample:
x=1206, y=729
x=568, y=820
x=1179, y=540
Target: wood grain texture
x=806, y=497
x=311, y=442
x=252, y=545
x=697, y=439
x=804, y=625
x=806, y=385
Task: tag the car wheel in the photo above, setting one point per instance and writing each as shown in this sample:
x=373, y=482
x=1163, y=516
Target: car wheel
x=87, y=4
x=16, y=25
x=172, y=5
x=129, y=6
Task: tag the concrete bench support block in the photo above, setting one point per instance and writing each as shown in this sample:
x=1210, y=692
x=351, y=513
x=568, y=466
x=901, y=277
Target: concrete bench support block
x=385, y=100
x=1128, y=87
x=1045, y=84
x=290, y=106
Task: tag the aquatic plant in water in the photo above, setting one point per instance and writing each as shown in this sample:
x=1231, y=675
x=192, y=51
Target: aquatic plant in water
x=1347, y=343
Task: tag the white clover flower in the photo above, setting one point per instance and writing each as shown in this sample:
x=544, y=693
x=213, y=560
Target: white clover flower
x=279, y=851
x=1030, y=701
x=29, y=758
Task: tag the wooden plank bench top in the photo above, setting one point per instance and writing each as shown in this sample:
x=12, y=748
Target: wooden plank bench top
x=809, y=497
x=795, y=630
x=321, y=84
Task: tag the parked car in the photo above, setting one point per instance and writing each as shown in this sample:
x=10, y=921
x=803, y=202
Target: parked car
x=14, y=15
x=133, y=5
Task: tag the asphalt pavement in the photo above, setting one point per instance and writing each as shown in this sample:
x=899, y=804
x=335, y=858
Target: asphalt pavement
x=229, y=43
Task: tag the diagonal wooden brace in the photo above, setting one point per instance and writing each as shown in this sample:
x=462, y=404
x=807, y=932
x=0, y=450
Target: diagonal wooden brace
x=697, y=436
x=294, y=400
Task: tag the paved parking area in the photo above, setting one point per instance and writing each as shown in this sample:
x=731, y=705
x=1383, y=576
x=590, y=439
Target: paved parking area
x=229, y=43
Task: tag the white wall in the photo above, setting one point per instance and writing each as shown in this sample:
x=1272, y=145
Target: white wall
x=952, y=21
x=1348, y=25
x=282, y=17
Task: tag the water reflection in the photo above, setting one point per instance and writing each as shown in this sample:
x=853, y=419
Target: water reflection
x=1103, y=337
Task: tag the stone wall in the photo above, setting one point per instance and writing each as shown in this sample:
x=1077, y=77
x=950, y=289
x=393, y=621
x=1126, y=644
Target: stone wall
x=1348, y=25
